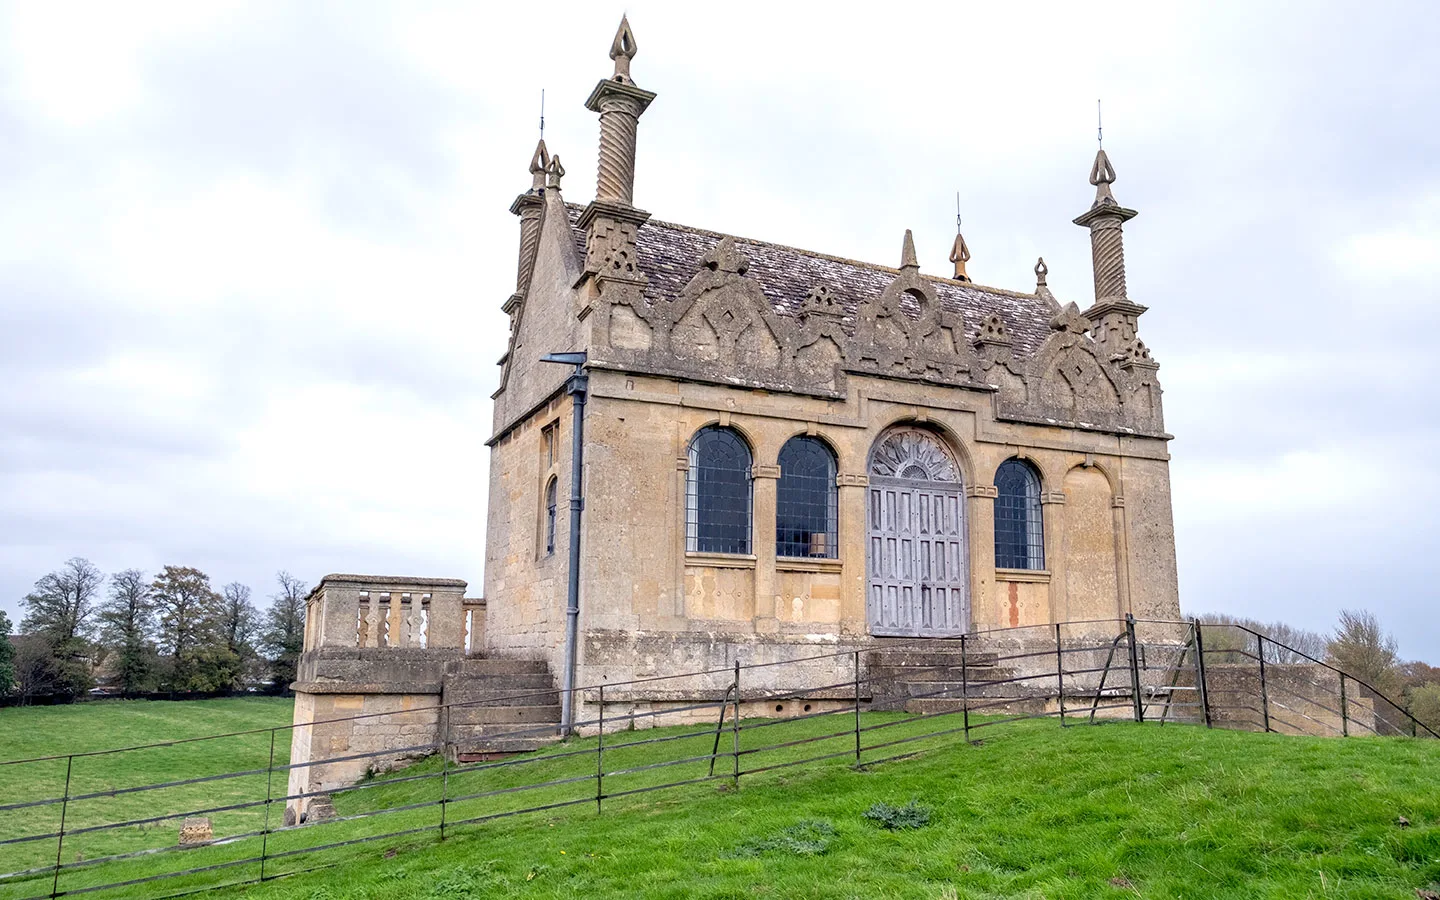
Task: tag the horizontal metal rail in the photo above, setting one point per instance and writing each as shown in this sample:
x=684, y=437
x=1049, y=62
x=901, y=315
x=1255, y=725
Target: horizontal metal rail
x=964, y=686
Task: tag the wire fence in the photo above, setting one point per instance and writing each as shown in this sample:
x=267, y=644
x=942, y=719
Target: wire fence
x=104, y=823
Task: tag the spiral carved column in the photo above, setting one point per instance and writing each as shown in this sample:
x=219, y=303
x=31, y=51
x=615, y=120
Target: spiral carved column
x=1108, y=256
x=529, y=241
x=619, y=120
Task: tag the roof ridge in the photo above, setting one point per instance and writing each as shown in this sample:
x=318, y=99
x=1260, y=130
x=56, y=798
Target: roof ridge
x=831, y=257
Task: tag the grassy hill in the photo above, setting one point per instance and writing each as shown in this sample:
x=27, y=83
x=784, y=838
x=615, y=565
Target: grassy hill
x=1033, y=811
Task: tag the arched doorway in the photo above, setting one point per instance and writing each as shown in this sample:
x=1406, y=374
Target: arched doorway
x=916, y=561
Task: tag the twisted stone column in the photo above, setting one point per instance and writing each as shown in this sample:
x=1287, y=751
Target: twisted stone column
x=1107, y=250
x=619, y=121
x=529, y=243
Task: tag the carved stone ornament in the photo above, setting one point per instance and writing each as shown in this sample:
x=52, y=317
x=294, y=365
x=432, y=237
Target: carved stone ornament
x=1070, y=381
x=905, y=332
x=914, y=454
x=610, y=250
x=725, y=318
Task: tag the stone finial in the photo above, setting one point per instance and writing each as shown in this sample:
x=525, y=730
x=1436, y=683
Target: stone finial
x=724, y=257
x=622, y=50
x=1102, y=175
x=992, y=331
x=821, y=301
x=960, y=255
x=907, y=252
x=620, y=104
x=1042, y=289
x=538, y=164
x=555, y=171
x=1104, y=218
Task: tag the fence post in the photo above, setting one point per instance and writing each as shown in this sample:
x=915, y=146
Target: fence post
x=1200, y=671
x=445, y=712
x=1134, y=669
x=1264, y=690
x=269, y=793
x=600, y=755
x=857, y=707
x=965, y=688
x=1344, y=709
x=1059, y=675
x=735, y=729
x=60, y=836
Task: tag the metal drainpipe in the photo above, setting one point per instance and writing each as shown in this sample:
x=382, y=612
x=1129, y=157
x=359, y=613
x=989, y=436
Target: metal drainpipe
x=576, y=387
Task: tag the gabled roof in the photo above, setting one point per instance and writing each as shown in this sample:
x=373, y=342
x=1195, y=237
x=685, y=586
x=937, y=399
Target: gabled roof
x=670, y=256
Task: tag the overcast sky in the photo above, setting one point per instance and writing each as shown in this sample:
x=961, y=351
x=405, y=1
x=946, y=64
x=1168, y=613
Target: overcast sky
x=252, y=256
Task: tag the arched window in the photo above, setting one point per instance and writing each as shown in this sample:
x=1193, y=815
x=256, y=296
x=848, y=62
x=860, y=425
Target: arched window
x=1019, y=531
x=805, y=508
x=717, y=494
x=550, y=517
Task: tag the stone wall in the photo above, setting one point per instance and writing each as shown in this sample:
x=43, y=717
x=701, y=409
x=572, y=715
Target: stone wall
x=371, y=675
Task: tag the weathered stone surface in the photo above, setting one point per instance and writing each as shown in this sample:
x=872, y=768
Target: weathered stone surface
x=196, y=830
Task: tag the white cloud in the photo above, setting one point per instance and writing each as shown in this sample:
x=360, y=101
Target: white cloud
x=252, y=255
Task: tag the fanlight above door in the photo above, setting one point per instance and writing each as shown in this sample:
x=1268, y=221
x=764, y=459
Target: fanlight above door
x=915, y=454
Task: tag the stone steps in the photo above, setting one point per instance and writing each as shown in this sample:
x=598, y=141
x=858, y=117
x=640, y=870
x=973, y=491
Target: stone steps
x=925, y=680
x=479, y=666
x=1014, y=706
x=922, y=657
x=505, y=715
x=500, y=706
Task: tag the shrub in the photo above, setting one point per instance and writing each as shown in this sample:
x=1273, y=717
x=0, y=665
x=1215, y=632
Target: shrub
x=808, y=837
x=1425, y=704
x=899, y=818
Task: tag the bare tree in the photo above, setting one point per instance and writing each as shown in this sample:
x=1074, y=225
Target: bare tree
x=1287, y=643
x=60, y=606
x=239, y=626
x=127, y=620
x=1362, y=648
x=58, y=612
x=37, y=672
x=284, y=637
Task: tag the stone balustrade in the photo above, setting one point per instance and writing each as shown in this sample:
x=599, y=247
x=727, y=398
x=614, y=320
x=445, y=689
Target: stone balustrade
x=376, y=612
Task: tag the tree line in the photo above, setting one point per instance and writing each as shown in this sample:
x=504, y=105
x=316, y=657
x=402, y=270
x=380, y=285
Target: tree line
x=1359, y=646
x=132, y=633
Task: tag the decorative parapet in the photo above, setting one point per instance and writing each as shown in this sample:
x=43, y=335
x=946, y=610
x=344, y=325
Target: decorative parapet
x=387, y=613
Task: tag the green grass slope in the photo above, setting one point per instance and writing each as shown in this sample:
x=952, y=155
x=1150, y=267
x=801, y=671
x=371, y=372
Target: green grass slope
x=29, y=732
x=1035, y=811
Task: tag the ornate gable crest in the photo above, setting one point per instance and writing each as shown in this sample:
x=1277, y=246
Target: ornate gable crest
x=891, y=340
x=721, y=316
x=1069, y=380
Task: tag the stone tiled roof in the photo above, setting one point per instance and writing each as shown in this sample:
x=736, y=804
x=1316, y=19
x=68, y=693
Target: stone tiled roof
x=670, y=255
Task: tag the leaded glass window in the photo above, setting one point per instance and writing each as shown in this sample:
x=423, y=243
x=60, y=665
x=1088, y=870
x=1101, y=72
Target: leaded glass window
x=717, y=495
x=1019, y=530
x=550, y=516
x=805, y=508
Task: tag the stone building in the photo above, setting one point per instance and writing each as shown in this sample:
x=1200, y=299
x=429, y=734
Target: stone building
x=785, y=453
x=785, y=449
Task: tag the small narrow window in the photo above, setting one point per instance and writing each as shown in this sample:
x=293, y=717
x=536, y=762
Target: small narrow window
x=550, y=517
x=548, y=437
x=806, y=500
x=1019, y=530
x=717, y=495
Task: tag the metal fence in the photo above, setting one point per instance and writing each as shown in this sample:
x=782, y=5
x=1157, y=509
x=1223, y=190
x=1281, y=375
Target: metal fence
x=104, y=823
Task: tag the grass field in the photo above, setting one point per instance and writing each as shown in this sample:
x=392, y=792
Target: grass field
x=29, y=732
x=1033, y=811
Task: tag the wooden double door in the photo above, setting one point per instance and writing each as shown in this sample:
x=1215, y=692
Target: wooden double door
x=918, y=572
